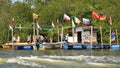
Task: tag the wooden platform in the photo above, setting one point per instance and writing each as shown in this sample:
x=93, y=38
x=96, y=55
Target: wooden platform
x=19, y=44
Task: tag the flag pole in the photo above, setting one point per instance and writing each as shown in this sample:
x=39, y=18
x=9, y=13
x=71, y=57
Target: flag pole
x=110, y=29
x=37, y=29
x=58, y=32
x=33, y=30
x=12, y=39
x=117, y=36
x=73, y=34
x=8, y=36
x=110, y=36
x=91, y=36
x=51, y=38
x=73, y=26
x=19, y=32
x=61, y=36
x=35, y=17
x=101, y=36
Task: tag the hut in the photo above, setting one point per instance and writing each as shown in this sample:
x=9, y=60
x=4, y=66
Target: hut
x=84, y=35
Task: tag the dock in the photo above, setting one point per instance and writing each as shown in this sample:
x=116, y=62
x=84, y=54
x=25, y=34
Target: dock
x=62, y=46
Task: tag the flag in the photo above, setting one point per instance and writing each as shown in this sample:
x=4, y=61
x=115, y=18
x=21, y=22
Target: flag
x=98, y=16
x=112, y=37
x=38, y=26
x=10, y=27
x=102, y=16
x=35, y=16
x=86, y=21
x=53, y=25
x=66, y=17
x=13, y=20
x=110, y=20
x=57, y=22
x=73, y=24
x=77, y=20
x=95, y=15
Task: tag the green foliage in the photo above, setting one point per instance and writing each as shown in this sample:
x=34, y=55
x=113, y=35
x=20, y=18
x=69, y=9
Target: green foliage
x=51, y=10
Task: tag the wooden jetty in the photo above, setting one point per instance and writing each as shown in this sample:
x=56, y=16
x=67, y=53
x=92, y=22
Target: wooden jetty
x=80, y=37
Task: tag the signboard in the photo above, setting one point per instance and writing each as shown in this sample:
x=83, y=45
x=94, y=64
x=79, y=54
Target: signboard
x=86, y=37
x=72, y=39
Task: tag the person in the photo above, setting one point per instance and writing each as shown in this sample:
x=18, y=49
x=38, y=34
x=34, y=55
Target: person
x=113, y=36
x=37, y=41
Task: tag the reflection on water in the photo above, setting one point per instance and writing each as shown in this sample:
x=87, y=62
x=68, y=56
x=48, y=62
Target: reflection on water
x=104, y=58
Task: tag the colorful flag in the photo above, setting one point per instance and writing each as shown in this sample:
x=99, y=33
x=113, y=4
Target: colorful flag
x=35, y=16
x=13, y=20
x=73, y=24
x=10, y=27
x=38, y=26
x=95, y=15
x=57, y=22
x=66, y=17
x=110, y=20
x=113, y=36
x=86, y=21
x=53, y=25
x=98, y=16
x=77, y=20
x=102, y=16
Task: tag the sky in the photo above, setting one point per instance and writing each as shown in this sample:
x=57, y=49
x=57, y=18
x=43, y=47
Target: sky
x=15, y=0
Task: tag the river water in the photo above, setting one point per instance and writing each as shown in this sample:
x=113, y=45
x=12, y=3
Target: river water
x=98, y=58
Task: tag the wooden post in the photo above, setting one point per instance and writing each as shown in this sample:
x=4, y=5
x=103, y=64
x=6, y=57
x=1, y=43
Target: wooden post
x=73, y=31
x=91, y=40
x=37, y=28
x=51, y=38
x=12, y=39
x=110, y=36
x=73, y=34
x=33, y=29
x=19, y=33
x=61, y=37
x=101, y=36
x=33, y=38
x=58, y=32
x=8, y=36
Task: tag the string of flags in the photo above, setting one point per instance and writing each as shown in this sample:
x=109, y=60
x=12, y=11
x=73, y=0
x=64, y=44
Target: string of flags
x=85, y=21
x=75, y=19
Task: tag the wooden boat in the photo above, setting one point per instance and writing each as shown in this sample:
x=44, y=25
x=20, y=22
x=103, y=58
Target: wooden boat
x=16, y=45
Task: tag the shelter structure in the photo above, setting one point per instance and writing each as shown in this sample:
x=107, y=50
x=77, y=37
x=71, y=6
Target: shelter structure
x=84, y=35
